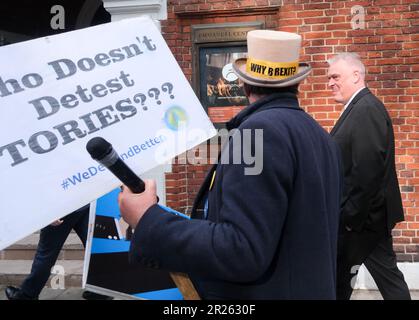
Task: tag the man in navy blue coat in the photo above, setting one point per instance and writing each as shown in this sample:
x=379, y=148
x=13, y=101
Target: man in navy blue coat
x=266, y=232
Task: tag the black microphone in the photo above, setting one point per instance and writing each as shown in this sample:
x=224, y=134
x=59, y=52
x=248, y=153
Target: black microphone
x=102, y=151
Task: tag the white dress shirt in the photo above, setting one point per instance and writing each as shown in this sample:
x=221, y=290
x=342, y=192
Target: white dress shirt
x=350, y=100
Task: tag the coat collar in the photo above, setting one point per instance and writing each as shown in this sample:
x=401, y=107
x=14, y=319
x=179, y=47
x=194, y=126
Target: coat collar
x=277, y=100
x=345, y=113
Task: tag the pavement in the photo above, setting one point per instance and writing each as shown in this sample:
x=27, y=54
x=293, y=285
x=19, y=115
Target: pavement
x=76, y=294
x=53, y=294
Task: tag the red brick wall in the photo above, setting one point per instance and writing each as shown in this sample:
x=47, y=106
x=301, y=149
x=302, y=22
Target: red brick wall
x=389, y=46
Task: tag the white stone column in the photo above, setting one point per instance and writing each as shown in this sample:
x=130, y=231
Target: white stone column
x=122, y=9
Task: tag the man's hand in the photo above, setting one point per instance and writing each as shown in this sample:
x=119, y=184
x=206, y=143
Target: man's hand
x=56, y=223
x=134, y=205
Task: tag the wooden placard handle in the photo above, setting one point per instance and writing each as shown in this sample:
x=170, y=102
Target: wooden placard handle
x=185, y=286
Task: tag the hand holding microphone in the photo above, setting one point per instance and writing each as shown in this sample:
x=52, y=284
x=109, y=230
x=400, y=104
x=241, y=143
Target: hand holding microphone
x=134, y=205
x=134, y=202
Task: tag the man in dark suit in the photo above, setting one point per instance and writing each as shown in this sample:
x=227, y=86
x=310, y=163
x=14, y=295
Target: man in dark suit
x=262, y=232
x=371, y=204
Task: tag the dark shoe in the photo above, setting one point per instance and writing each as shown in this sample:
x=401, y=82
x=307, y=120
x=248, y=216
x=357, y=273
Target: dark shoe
x=13, y=293
x=89, y=295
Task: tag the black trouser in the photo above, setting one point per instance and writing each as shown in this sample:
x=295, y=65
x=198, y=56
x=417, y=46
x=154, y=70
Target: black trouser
x=50, y=244
x=375, y=251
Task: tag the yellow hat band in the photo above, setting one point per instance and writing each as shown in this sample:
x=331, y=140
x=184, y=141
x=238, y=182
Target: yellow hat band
x=271, y=70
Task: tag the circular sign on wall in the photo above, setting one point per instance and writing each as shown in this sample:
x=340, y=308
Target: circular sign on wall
x=228, y=73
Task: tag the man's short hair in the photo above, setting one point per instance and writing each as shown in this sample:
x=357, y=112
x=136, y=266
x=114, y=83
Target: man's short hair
x=351, y=57
x=267, y=91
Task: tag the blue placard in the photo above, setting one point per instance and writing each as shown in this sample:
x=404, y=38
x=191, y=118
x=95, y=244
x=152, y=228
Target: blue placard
x=109, y=266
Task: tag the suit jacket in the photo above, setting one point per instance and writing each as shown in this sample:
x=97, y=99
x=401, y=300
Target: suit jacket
x=364, y=133
x=271, y=235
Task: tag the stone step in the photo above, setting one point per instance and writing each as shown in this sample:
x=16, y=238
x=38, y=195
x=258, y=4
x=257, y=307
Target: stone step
x=13, y=272
x=25, y=249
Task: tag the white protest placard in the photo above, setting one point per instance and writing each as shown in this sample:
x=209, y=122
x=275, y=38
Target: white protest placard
x=118, y=81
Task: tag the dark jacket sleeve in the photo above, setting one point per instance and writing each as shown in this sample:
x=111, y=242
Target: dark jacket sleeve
x=242, y=244
x=368, y=142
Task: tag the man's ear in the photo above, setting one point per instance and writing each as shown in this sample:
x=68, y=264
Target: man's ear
x=246, y=89
x=356, y=76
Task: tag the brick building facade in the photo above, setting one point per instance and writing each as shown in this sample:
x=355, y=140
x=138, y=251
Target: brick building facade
x=384, y=32
x=387, y=38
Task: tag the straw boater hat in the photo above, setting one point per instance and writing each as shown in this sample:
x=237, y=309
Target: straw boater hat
x=272, y=59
